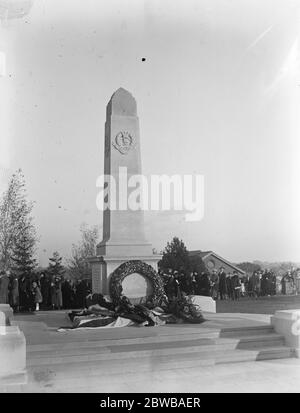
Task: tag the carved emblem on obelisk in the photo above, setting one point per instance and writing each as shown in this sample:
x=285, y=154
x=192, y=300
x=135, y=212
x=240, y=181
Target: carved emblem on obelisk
x=123, y=142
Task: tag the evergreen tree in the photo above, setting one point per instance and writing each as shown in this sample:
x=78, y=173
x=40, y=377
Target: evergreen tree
x=55, y=268
x=23, y=263
x=197, y=264
x=175, y=256
x=17, y=232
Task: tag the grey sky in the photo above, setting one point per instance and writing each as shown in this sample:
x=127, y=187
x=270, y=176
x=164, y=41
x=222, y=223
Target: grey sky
x=218, y=95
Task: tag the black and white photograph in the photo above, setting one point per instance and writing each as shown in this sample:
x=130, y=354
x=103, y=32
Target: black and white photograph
x=149, y=200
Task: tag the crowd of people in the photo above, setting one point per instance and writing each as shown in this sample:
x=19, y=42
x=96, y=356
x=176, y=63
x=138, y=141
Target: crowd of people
x=45, y=291
x=42, y=291
x=218, y=284
x=225, y=285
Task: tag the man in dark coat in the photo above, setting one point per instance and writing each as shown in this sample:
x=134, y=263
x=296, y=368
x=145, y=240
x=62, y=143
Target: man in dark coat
x=204, y=284
x=229, y=287
x=197, y=287
x=4, y=283
x=273, y=283
x=170, y=286
x=81, y=293
x=222, y=284
x=264, y=283
x=25, y=295
x=14, y=293
x=45, y=290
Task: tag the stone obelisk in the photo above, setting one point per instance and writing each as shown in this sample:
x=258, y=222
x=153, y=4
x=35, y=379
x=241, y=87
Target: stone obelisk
x=123, y=228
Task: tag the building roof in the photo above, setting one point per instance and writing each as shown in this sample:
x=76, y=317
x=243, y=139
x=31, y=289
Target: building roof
x=206, y=254
x=202, y=254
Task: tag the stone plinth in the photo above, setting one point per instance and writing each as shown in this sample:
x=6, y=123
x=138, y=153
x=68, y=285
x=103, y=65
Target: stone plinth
x=207, y=304
x=8, y=311
x=287, y=323
x=12, y=351
x=102, y=270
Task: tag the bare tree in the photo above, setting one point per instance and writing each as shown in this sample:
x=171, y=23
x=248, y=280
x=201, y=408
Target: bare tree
x=78, y=264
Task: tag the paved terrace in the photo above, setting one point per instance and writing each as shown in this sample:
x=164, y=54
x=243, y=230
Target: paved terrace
x=281, y=375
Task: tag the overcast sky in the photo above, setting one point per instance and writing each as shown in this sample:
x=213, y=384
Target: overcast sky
x=218, y=95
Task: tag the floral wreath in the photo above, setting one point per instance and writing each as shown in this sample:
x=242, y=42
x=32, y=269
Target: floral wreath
x=140, y=267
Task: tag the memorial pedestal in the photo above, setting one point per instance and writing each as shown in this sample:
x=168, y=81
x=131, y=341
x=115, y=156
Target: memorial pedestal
x=8, y=311
x=103, y=267
x=12, y=353
x=206, y=304
x=287, y=323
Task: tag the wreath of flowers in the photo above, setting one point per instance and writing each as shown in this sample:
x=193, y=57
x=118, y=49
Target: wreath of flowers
x=130, y=267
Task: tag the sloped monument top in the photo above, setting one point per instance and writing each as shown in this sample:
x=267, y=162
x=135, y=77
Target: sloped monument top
x=122, y=103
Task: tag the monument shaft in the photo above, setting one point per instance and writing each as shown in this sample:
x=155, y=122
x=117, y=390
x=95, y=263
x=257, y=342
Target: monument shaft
x=123, y=228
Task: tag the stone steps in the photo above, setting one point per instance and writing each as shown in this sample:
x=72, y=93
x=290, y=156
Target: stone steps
x=154, y=346
x=104, y=342
x=91, y=358
x=69, y=377
x=138, y=344
x=246, y=331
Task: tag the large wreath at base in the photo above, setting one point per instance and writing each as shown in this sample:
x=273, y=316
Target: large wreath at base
x=130, y=267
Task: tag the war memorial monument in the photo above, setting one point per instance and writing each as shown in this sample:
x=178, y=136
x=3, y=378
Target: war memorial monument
x=124, y=242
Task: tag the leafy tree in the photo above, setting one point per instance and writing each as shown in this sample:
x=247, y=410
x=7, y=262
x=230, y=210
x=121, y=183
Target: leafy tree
x=17, y=232
x=249, y=267
x=55, y=268
x=175, y=256
x=78, y=264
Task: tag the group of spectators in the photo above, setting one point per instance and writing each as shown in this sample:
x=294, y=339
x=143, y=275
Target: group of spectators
x=225, y=286
x=46, y=291
x=42, y=291
x=217, y=284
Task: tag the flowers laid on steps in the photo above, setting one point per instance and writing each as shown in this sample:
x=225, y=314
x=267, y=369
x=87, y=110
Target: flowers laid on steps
x=102, y=313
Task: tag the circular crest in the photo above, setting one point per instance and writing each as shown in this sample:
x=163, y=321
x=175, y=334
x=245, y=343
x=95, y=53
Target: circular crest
x=123, y=142
x=130, y=267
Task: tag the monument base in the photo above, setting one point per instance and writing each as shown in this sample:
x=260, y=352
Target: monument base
x=104, y=266
x=207, y=304
x=12, y=352
x=287, y=323
x=8, y=311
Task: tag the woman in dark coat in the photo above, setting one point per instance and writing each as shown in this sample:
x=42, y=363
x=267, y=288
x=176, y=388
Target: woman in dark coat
x=53, y=294
x=45, y=290
x=236, y=286
x=222, y=284
x=36, y=295
x=58, y=293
